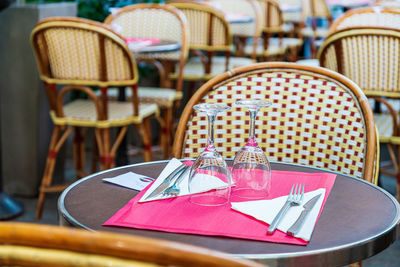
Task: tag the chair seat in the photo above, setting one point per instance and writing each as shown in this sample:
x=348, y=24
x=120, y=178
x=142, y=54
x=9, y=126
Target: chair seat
x=384, y=123
x=162, y=97
x=194, y=69
x=274, y=48
x=320, y=32
x=287, y=41
x=83, y=113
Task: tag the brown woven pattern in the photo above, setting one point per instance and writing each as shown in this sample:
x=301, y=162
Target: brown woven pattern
x=272, y=19
x=369, y=57
x=313, y=121
x=75, y=54
x=315, y=8
x=147, y=22
x=199, y=18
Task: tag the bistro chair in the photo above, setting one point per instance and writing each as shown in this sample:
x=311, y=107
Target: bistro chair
x=165, y=23
x=81, y=54
x=370, y=57
x=314, y=13
x=209, y=34
x=318, y=118
x=368, y=16
x=27, y=244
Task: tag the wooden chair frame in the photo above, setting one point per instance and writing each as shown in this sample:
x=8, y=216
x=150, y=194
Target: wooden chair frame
x=370, y=150
x=62, y=126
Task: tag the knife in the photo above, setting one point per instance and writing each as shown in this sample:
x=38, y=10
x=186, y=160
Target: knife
x=167, y=181
x=295, y=228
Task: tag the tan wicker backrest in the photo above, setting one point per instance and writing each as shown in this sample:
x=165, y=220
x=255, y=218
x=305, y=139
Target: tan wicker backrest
x=27, y=244
x=250, y=8
x=272, y=19
x=394, y=4
x=207, y=26
x=79, y=51
x=318, y=118
x=369, y=16
x=315, y=9
x=370, y=56
x=152, y=21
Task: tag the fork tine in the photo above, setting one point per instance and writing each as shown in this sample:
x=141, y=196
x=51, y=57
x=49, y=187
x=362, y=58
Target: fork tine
x=302, y=193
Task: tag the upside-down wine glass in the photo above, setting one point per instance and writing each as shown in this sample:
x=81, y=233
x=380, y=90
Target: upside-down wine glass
x=210, y=179
x=251, y=171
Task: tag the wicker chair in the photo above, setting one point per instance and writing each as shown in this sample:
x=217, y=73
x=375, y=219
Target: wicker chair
x=318, y=118
x=24, y=244
x=166, y=23
x=209, y=34
x=370, y=57
x=80, y=54
x=312, y=10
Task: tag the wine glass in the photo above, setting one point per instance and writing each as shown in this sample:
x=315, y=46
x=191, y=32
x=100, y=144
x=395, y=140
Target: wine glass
x=209, y=178
x=251, y=171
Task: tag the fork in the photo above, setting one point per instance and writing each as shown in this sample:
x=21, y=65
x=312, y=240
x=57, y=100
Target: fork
x=174, y=190
x=295, y=198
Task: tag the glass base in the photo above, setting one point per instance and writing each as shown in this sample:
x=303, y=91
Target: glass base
x=204, y=200
x=249, y=193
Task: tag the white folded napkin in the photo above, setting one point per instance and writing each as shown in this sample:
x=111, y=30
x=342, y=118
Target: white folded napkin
x=266, y=210
x=210, y=182
x=130, y=180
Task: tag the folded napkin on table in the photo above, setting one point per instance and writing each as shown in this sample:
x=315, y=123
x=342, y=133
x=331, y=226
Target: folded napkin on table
x=266, y=210
x=130, y=180
x=210, y=182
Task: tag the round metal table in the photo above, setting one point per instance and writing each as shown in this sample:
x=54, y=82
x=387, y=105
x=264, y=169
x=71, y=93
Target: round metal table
x=358, y=220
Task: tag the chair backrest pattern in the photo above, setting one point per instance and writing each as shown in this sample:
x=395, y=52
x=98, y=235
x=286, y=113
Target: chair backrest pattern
x=207, y=26
x=315, y=9
x=367, y=55
x=152, y=21
x=272, y=18
x=76, y=51
x=314, y=120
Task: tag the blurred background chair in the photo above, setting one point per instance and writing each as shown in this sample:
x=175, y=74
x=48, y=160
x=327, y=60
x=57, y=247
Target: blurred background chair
x=164, y=23
x=24, y=244
x=83, y=54
x=307, y=123
x=370, y=57
x=210, y=43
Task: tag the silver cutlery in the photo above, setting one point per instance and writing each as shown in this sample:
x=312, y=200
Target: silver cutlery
x=167, y=181
x=294, y=198
x=295, y=228
x=174, y=189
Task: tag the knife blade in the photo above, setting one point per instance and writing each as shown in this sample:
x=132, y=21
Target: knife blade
x=295, y=228
x=166, y=182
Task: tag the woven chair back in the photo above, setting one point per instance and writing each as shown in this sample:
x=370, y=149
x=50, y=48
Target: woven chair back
x=369, y=16
x=208, y=28
x=152, y=21
x=318, y=118
x=315, y=9
x=272, y=18
x=367, y=55
x=250, y=8
x=79, y=51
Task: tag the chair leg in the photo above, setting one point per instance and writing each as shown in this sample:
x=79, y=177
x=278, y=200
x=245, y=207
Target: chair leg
x=145, y=132
x=356, y=264
x=79, y=153
x=167, y=132
x=103, y=143
x=54, y=148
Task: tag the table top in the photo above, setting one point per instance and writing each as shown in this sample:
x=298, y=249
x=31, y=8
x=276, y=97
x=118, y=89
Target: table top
x=358, y=220
x=238, y=18
x=162, y=46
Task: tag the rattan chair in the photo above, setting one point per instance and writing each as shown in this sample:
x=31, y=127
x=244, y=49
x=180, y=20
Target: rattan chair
x=209, y=34
x=318, y=118
x=23, y=244
x=368, y=16
x=82, y=54
x=370, y=57
x=312, y=11
x=163, y=22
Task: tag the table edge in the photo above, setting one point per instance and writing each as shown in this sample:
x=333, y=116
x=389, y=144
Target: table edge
x=389, y=230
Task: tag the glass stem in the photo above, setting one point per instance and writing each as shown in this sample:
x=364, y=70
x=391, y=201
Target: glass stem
x=210, y=138
x=252, y=133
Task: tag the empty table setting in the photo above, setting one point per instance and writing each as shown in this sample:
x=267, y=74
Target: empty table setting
x=336, y=220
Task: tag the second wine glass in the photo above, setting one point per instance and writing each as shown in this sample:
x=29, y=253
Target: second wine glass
x=251, y=171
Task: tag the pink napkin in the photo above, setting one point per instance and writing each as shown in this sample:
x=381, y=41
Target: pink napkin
x=179, y=215
x=148, y=41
